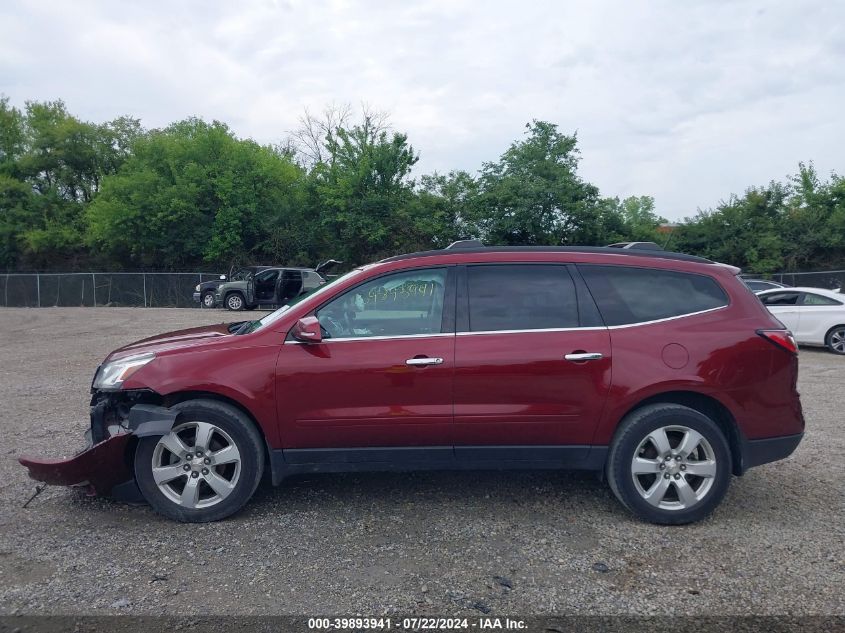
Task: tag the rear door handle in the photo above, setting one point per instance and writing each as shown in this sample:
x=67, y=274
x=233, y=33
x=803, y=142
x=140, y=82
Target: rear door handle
x=582, y=356
x=424, y=361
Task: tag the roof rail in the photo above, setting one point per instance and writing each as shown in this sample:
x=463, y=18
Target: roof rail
x=643, y=246
x=471, y=248
x=464, y=244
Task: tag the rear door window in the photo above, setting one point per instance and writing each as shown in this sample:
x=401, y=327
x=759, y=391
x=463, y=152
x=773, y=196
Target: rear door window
x=520, y=297
x=781, y=299
x=291, y=285
x=627, y=295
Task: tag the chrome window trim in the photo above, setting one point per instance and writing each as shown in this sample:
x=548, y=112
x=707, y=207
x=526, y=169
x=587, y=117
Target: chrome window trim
x=487, y=332
x=549, y=329
x=608, y=327
x=372, y=338
x=671, y=318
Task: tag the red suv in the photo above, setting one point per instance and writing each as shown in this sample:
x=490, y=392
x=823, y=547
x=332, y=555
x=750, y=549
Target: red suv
x=660, y=371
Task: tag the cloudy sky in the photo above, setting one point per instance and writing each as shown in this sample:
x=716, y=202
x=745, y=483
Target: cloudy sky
x=685, y=101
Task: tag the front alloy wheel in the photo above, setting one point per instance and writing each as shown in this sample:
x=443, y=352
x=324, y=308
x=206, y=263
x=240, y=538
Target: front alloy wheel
x=206, y=468
x=669, y=464
x=196, y=465
x=836, y=340
x=208, y=300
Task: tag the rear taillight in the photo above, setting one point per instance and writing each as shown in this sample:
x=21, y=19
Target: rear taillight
x=781, y=338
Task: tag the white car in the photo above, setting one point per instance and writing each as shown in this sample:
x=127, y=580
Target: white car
x=814, y=316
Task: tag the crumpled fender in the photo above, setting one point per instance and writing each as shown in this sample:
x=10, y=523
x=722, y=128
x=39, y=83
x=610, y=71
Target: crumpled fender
x=104, y=465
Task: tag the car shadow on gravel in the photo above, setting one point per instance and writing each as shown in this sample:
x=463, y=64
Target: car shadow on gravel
x=766, y=496
x=480, y=492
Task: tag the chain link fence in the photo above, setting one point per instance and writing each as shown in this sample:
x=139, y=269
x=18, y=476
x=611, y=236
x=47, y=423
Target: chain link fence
x=175, y=290
x=830, y=279
x=149, y=290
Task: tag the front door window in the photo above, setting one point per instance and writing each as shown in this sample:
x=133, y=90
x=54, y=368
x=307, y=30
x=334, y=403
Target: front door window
x=409, y=303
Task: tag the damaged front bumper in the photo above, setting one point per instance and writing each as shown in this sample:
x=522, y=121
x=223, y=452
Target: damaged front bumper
x=104, y=466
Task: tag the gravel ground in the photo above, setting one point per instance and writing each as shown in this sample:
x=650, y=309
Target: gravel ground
x=432, y=543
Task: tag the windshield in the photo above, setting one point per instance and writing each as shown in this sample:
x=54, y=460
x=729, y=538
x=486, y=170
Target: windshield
x=253, y=326
x=241, y=275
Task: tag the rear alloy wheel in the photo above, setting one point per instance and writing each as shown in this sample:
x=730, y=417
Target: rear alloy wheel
x=208, y=300
x=673, y=478
x=835, y=340
x=669, y=464
x=206, y=468
x=235, y=301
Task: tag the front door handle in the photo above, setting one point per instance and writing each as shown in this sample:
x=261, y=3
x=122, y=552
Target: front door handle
x=582, y=356
x=424, y=361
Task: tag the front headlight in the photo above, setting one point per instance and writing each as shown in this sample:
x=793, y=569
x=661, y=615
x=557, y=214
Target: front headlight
x=197, y=289
x=113, y=374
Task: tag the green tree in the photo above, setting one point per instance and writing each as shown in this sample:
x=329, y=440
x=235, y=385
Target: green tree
x=192, y=193
x=51, y=166
x=75, y=193
x=641, y=222
x=743, y=231
x=791, y=226
x=363, y=193
x=533, y=194
x=12, y=136
x=15, y=194
x=444, y=208
x=813, y=223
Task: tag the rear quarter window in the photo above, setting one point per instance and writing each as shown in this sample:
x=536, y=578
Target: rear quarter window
x=811, y=299
x=627, y=295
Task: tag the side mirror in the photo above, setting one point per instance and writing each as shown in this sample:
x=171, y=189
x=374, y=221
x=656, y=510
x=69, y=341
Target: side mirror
x=307, y=330
x=222, y=277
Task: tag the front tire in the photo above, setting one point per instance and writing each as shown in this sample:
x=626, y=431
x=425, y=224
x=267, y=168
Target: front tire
x=206, y=468
x=835, y=339
x=669, y=464
x=208, y=300
x=235, y=301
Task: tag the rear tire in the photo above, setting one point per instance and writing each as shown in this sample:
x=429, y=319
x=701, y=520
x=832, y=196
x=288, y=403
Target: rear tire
x=669, y=464
x=835, y=339
x=206, y=468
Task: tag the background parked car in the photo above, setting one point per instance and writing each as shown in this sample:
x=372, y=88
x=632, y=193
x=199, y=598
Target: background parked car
x=759, y=285
x=271, y=286
x=204, y=293
x=814, y=315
